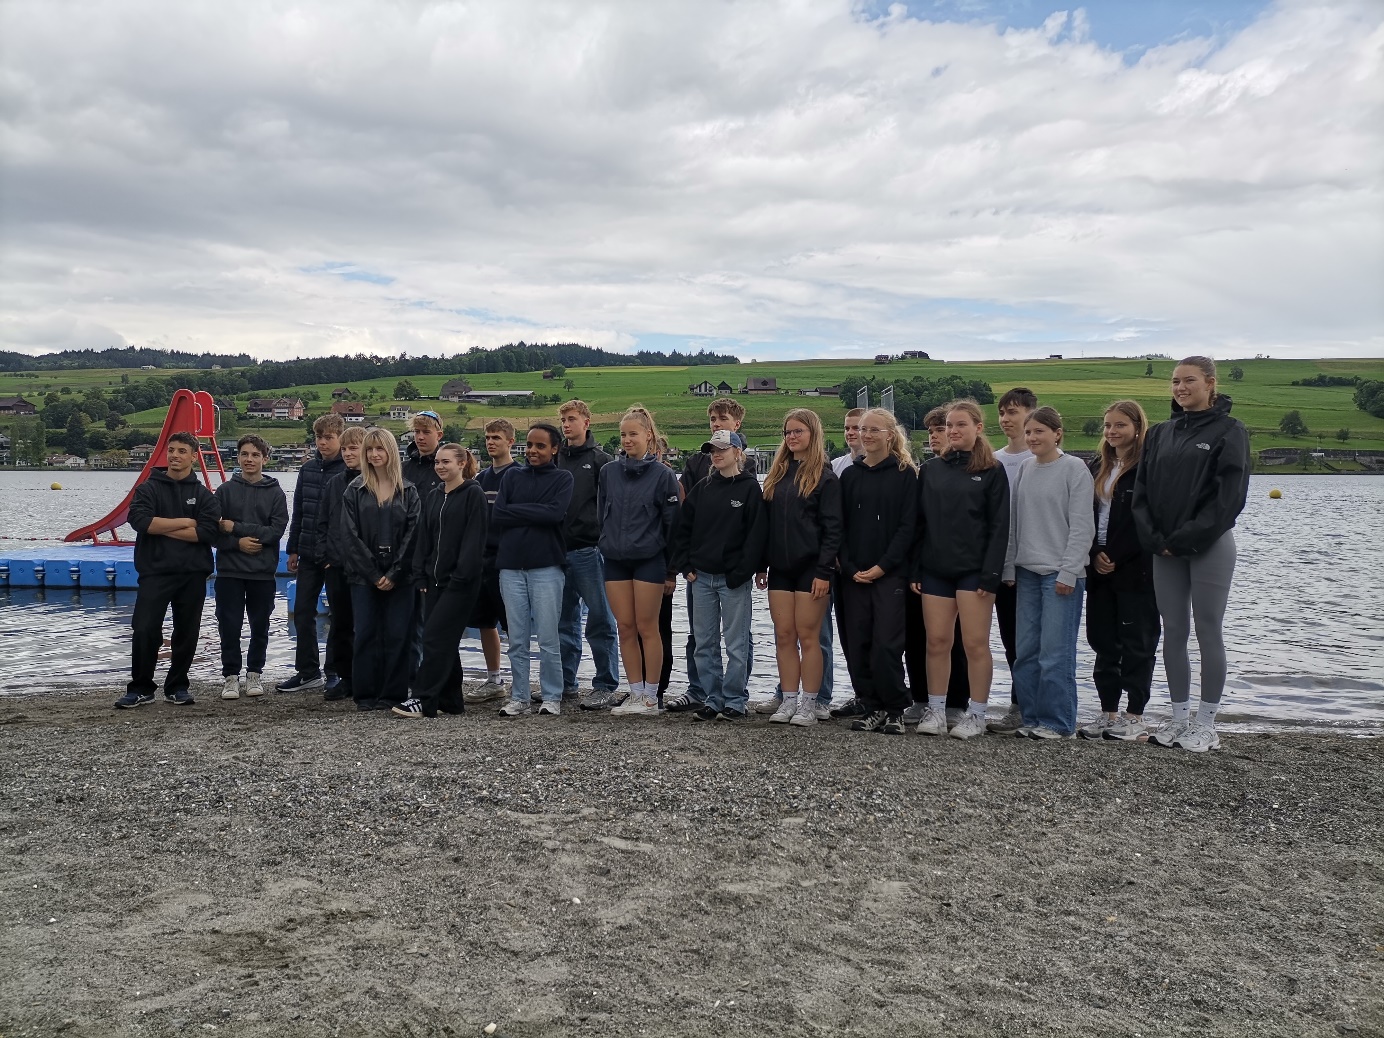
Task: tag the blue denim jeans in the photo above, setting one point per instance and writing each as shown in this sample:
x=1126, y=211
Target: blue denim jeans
x=694, y=681
x=1046, y=629
x=586, y=583
x=533, y=604
x=721, y=612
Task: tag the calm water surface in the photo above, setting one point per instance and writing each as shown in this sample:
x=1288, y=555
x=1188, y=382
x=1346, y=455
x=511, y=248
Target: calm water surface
x=1305, y=627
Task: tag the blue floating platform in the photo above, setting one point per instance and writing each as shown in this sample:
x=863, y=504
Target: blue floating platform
x=84, y=566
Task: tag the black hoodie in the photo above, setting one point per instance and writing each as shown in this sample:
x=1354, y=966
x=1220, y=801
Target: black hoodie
x=160, y=497
x=721, y=528
x=418, y=469
x=1193, y=479
x=451, y=536
x=583, y=526
x=963, y=519
x=879, y=506
x=259, y=510
x=1133, y=565
x=804, y=532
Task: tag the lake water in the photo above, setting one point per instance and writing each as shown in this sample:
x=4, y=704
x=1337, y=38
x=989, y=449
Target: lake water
x=1305, y=627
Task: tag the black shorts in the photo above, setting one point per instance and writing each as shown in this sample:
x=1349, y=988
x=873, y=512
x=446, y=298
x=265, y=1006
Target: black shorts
x=489, y=610
x=646, y=571
x=947, y=587
x=787, y=580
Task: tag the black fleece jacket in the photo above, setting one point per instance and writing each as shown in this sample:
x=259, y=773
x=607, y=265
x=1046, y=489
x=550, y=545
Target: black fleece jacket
x=330, y=526
x=489, y=479
x=804, y=532
x=583, y=526
x=721, y=528
x=963, y=520
x=368, y=527
x=1133, y=565
x=418, y=469
x=1193, y=479
x=879, y=505
x=259, y=510
x=530, y=510
x=451, y=536
x=307, y=498
x=160, y=497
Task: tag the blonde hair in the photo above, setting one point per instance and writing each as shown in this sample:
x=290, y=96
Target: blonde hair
x=898, y=440
x=578, y=406
x=1108, y=456
x=641, y=415
x=982, y=454
x=500, y=425
x=393, y=470
x=469, y=465
x=353, y=436
x=809, y=471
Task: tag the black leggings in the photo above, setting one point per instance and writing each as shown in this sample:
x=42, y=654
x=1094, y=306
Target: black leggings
x=915, y=659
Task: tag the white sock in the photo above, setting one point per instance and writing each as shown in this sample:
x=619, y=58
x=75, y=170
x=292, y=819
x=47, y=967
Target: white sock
x=1181, y=711
x=1206, y=713
x=937, y=702
x=973, y=708
x=493, y=675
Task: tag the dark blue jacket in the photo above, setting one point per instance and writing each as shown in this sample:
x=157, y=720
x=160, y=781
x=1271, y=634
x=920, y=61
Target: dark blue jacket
x=307, y=499
x=638, y=504
x=531, y=509
x=159, y=497
x=258, y=510
x=489, y=479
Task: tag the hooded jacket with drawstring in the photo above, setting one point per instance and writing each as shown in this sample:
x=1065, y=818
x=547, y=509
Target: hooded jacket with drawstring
x=259, y=510
x=162, y=497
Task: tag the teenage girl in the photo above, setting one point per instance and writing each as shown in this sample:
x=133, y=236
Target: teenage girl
x=803, y=498
x=963, y=509
x=879, y=506
x=1050, y=536
x=380, y=518
x=637, y=499
x=452, y=533
x=1121, y=611
x=1190, y=489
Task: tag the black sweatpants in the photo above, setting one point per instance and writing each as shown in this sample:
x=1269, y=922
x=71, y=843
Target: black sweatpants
x=1006, y=608
x=186, y=593
x=446, y=611
x=311, y=579
x=665, y=637
x=915, y=659
x=1122, y=628
x=237, y=598
x=874, y=617
x=341, y=629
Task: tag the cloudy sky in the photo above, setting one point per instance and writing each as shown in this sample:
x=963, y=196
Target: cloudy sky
x=804, y=178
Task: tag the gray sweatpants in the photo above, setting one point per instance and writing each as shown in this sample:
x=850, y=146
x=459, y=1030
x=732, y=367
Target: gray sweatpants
x=1195, y=588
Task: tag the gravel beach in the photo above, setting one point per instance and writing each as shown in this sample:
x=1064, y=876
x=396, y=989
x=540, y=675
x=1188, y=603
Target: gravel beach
x=291, y=867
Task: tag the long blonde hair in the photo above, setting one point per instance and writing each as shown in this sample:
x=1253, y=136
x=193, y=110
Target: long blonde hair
x=393, y=471
x=898, y=439
x=1108, y=457
x=643, y=416
x=810, y=471
x=982, y=454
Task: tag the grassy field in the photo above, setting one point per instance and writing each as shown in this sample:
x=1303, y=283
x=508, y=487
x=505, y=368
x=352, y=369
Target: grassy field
x=1079, y=389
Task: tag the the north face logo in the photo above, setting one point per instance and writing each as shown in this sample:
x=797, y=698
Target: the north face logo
x=737, y=504
x=190, y=501
x=975, y=479
x=1204, y=446
x=587, y=465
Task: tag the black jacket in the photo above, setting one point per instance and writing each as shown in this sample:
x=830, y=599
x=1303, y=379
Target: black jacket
x=963, y=519
x=159, y=497
x=377, y=540
x=330, y=525
x=721, y=528
x=489, y=479
x=259, y=510
x=1193, y=480
x=307, y=498
x=804, y=532
x=418, y=470
x=698, y=467
x=451, y=536
x=638, y=503
x=530, y=510
x=583, y=526
x=1133, y=565
x=879, y=508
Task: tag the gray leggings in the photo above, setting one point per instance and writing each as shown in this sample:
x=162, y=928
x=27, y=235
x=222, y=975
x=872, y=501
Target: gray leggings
x=1188, y=587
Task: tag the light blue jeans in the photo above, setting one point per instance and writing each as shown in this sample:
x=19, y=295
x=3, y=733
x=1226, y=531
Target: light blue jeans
x=533, y=604
x=1046, y=629
x=722, y=612
x=586, y=583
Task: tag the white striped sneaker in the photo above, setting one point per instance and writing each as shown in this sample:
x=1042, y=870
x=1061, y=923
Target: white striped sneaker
x=1128, y=728
x=1169, y=732
x=1198, y=738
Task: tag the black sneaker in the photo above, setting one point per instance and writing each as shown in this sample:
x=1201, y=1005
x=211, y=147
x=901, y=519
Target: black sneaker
x=681, y=702
x=130, y=700
x=410, y=708
x=850, y=708
x=299, y=682
x=182, y=697
x=336, y=689
x=706, y=713
x=872, y=722
x=893, y=724
x=365, y=705
x=731, y=714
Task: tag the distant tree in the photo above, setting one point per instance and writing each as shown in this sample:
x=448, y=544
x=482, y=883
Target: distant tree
x=229, y=423
x=558, y=370
x=612, y=445
x=1291, y=424
x=65, y=391
x=461, y=410
x=51, y=399
x=124, y=378
x=406, y=390
x=115, y=421
x=1343, y=435
x=75, y=440
x=28, y=441
x=1092, y=427
x=1148, y=371
x=1237, y=373
x=453, y=433
x=1369, y=397
x=569, y=385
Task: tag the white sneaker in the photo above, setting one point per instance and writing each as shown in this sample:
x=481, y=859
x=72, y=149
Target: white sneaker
x=1169, y=732
x=1096, y=729
x=1043, y=733
x=254, y=688
x=969, y=727
x=230, y=688
x=1128, y=728
x=934, y=722
x=639, y=704
x=822, y=713
x=553, y=709
x=788, y=707
x=1012, y=721
x=772, y=705
x=1198, y=738
x=913, y=713
x=514, y=708
x=954, y=716
x=485, y=692
x=805, y=715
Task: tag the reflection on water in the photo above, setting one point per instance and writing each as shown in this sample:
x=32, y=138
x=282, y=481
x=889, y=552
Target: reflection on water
x=1304, y=630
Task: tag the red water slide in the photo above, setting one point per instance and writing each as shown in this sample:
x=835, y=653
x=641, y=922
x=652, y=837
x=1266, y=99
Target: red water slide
x=188, y=412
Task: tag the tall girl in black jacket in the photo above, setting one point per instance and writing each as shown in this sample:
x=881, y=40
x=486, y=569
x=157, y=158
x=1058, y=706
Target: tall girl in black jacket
x=451, y=543
x=380, y=520
x=803, y=503
x=1121, y=612
x=963, y=512
x=879, y=495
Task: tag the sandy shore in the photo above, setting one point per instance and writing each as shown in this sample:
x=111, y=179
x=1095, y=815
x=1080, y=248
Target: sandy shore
x=289, y=867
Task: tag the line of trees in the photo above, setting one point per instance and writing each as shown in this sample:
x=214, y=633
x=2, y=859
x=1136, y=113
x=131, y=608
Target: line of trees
x=915, y=397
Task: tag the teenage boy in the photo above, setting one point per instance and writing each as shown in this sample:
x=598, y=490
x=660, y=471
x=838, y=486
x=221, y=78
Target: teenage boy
x=1015, y=406
x=851, y=708
x=305, y=554
x=722, y=413
x=531, y=510
x=174, y=518
x=420, y=456
x=585, y=569
x=853, y=448
x=341, y=631
x=254, y=515
x=489, y=613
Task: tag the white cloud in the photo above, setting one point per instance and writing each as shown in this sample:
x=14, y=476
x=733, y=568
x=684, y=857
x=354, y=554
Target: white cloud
x=199, y=175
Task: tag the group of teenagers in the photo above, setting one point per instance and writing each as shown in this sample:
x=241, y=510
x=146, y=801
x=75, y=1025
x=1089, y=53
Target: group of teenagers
x=915, y=561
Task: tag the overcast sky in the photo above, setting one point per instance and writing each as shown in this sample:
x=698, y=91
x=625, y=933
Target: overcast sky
x=809, y=178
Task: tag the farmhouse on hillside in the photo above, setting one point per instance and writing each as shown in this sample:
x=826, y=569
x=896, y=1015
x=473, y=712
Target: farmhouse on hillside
x=756, y=384
x=341, y=392
x=724, y=388
x=821, y=391
x=16, y=405
x=703, y=388
x=281, y=408
x=454, y=390
x=350, y=410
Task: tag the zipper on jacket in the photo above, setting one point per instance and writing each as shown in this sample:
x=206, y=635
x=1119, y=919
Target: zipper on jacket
x=437, y=557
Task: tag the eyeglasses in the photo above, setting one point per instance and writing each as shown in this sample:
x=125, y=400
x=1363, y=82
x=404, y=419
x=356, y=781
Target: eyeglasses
x=873, y=429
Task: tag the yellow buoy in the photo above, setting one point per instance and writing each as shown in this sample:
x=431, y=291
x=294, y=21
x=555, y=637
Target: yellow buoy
x=55, y=486
x=1275, y=493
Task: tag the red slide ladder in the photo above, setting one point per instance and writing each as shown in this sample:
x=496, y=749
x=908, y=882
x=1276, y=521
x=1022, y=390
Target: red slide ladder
x=188, y=412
